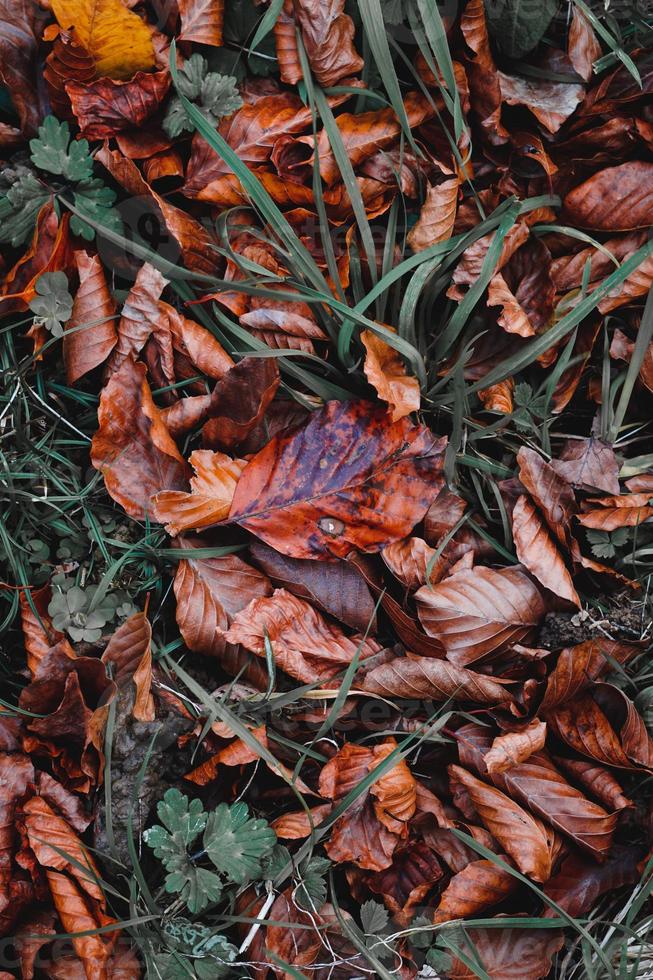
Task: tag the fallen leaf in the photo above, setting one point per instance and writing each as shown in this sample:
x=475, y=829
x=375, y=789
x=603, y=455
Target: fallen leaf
x=549, y=490
x=521, y=835
x=579, y=883
x=19, y=23
x=385, y=371
x=209, y=501
x=201, y=21
x=57, y=846
x=414, y=872
x=90, y=334
x=240, y=400
x=139, y=315
x=515, y=747
x=328, y=35
x=409, y=561
x=509, y=954
x=303, y=643
x=374, y=484
x=132, y=447
x=130, y=655
x=477, y=887
x=118, y=39
x=588, y=463
x=597, y=781
x=614, y=199
x=16, y=775
x=624, y=510
x=579, y=666
x=427, y=679
x=437, y=216
x=477, y=614
x=538, y=553
x=104, y=107
x=79, y=916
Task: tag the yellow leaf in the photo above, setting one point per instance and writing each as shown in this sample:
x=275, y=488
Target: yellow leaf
x=116, y=37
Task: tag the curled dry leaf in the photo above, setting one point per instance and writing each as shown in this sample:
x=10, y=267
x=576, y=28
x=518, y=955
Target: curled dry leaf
x=303, y=643
x=583, y=46
x=615, y=199
x=579, y=666
x=385, y=371
x=580, y=883
x=39, y=635
x=201, y=21
x=479, y=886
x=295, y=826
x=476, y=614
x=372, y=486
x=57, y=846
x=104, y=106
x=240, y=400
x=552, y=494
x=17, y=775
x=328, y=35
x=78, y=917
x=336, y=587
x=624, y=510
x=130, y=655
x=538, y=786
x=139, y=315
x=498, y=397
x=596, y=781
x=414, y=872
x=209, y=593
x=90, y=334
x=522, y=836
x=437, y=680
x=409, y=561
x=537, y=551
x=589, y=464
x=515, y=747
x=509, y=954
x=210, y=497
x=132, y=447
x=69, y=61
x=19, y=23
x=437, y=217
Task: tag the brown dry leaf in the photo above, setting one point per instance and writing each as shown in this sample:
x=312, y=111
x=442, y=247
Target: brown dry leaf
x=130, y=654
x=304, y=644
x=196, y=343
x=212, y=490
x=209, y=593
x=328, y=35
x=579, y=666
x=91, y=332
x=498, y=397
x=57, y=846
x=624, y=510
x=385, y=371
x=550, y=102
x=515, y=747
x=484, y=86
x=372, y=487
x=39, y=635
x=437, y=680
x=69, y=61
x=552, y=494
x=19, y=27
x=132, y=447
x=240, y=400
x=588, y=463
x=414, y=872
x=585, y=728
x=476, y=614
x=104, y=107
x=201, y=21
x=79, y=916
x=139, y=315
x=16, y=778
x=295, y=826
x=615, y=199
x=538, y=552
x=437, y=216
x=509, y=954
x=597, y=781
x=479, y=886
x=521, y=835
x=579, y=883
x=335, y=587
x=583, y=46
x=409, y=560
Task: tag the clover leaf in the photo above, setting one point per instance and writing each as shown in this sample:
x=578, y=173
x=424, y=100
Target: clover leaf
x=53, y=304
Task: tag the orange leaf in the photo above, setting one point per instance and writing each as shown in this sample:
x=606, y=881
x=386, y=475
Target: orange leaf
x=90, y=333
x=538, y=553
x=385, y=371
x=130, y=654
x=212, y=491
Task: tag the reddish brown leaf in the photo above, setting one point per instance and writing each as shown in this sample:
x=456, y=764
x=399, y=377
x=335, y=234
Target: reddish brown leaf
x=477, y=614
x=130, y=654
x=69, y=61
x=537, y=551
x=285, y=39
x=212, y=491
x=475, y=888
x=409, y=560
x=515, y=747
x=549, y=490
x=196, y=343
x=537, y=785
x=79, y=916
x=521, y=835
x=304, y=644
x=209, y=593
x=56, y=845
x=39, y=635
x=498, y=397
x=437, y=216
x=509, y=954
x=579, y=666
x=625, y=510
x=16, y=777
x=588, y=463
x=580, y=883
x=583, y=46
x=106, y=106
x=240, y=400
x=201, y=21
x=405, y=884
x=139, y=315
x=374, y=485
x=295, y=826
x=597, y=781
x=550, y=102
x=335, y=587
x=19, y=28
x=328, y=35
x=91, y=332
x=485, y=90
x=615, y=199
x=385, y=371
x=428, y=679
x=585, y=727
x=132, y=447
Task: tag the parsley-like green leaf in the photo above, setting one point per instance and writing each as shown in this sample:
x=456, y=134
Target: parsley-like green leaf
x=54, y=151
x=215, y=95
x=236, y=843
x=374, y=917
x=95, y=201
x=53, y=304
x=19, y=208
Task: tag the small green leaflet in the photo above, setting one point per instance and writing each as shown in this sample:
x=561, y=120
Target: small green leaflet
x=518, y=26
x=53, y=304
x=236, y=843
x=53, y=151
x=216, y=96
x=312, y=891
x=95, y=201
x=374, y=917
x=605, y=543
x=19, y=208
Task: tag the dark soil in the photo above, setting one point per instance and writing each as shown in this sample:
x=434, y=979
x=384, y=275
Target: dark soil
x=617, y=619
